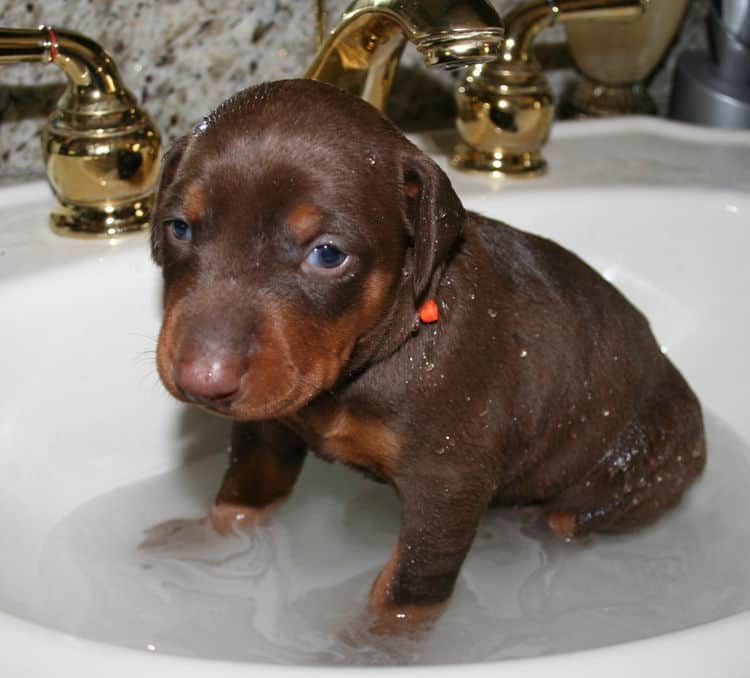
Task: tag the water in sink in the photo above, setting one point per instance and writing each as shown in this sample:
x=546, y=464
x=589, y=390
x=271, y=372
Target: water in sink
x=292, y=592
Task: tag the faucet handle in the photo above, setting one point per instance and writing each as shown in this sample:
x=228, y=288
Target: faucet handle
x=102, y=152
x=506, y=107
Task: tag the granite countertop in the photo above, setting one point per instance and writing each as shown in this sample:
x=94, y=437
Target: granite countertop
x=182, y=58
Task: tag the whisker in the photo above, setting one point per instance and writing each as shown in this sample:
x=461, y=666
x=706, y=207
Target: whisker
x=150, y=337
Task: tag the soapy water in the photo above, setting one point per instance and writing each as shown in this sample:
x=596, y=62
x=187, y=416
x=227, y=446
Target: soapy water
x=140, y=567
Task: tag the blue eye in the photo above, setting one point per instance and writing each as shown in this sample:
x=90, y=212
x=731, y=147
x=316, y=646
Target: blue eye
x=326, y=256
x=181, y=230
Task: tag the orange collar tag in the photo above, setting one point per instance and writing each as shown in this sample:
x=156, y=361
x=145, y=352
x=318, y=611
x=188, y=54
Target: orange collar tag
x=428, y=313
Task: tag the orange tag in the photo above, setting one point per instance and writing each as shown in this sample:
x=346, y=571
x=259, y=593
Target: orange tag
x=429, y=311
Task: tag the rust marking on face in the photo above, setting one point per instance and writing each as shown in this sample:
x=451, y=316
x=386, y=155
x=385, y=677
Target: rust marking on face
x=299, y=355
x=304, y=222
x=194, y=203
x=296, y=355
x=169, y=335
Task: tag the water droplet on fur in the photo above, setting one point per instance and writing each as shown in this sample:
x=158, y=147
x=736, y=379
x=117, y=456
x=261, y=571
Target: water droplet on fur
x=371, y=158
x=429, y=366
x=492, y=312
x=524, y=353
x=201, y=127
x=606, y=413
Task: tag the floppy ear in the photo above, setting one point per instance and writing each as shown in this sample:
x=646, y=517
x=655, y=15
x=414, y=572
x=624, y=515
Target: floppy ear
x=434, y=213
x=170, y=163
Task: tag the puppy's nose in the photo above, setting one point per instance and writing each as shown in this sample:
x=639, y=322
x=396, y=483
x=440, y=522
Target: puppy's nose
x=209, y=377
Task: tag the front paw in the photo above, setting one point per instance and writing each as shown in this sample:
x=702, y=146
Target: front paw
x=390, y=618
x=228, y=519
x=411, y=621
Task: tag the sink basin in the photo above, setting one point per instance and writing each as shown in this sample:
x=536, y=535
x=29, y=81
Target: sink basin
x=105, y=563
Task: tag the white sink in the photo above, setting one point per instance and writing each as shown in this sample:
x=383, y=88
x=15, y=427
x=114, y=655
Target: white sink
x=93, y=452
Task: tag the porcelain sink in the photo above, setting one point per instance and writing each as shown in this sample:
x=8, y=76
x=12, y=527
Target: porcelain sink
x=93, y=453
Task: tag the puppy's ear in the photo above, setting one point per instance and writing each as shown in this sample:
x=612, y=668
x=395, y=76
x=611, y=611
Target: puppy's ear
x=170, y=163
x=434, y=213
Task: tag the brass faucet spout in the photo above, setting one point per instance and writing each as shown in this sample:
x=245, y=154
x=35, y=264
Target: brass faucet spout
x=362, y=52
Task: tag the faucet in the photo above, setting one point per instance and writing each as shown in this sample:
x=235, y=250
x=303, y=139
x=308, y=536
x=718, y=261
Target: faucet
x=506, y=107
x=362, y=52
x=102, y=152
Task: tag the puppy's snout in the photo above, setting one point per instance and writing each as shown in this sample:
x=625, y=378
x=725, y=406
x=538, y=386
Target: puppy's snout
x=209, y=376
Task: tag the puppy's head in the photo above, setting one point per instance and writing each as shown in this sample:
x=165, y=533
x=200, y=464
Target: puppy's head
x=287, y=226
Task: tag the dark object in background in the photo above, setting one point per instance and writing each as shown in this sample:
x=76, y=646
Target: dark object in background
x=714, y=89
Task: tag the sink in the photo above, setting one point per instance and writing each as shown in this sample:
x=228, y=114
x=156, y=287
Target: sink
x=104, y=478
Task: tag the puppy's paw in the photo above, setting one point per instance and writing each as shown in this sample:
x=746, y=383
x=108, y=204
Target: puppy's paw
x=228, y=519
x=403, y=620
x=563, y=524
x=390, y=618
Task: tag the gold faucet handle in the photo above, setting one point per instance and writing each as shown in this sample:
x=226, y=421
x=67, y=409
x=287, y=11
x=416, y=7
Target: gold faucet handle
x=506, y=107
x=102, y=151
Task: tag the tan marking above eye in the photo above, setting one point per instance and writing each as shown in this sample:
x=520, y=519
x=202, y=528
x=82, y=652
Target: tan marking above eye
x=194, y=203
x=304, y=222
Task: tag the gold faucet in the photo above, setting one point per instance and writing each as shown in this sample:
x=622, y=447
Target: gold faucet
x=362, y=52
x=102, y=152
x=505, y=107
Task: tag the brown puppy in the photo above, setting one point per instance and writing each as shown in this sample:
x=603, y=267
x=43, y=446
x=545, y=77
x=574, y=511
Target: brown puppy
x=300, y=233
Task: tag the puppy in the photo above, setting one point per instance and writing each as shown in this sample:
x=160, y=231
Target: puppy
x=325, y=288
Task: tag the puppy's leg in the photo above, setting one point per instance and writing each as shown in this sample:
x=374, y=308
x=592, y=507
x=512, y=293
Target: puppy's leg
x=264, y=463
x=656, y=458
x=438, y=524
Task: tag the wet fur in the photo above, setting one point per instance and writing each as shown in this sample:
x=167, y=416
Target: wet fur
x=539, y=385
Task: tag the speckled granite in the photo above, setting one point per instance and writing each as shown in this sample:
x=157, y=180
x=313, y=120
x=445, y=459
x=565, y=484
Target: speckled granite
x=182, y=57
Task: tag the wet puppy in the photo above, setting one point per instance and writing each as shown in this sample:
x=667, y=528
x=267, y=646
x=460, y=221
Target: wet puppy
x=325, y=288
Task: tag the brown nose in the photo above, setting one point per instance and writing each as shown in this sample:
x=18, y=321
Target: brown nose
x=209, y=376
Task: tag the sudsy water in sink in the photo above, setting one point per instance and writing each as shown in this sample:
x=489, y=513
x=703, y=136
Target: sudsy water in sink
x=293, y=591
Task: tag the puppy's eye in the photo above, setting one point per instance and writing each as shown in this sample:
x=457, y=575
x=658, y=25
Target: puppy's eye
x=326, y=256
x=180, y=229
